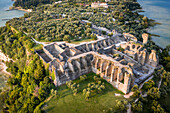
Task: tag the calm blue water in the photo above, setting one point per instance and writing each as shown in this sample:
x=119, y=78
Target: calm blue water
x=158, y=10
x=4, y=4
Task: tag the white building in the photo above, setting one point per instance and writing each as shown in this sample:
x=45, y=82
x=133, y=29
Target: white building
x=58, y=2
x=99, y=4
x=107, y=0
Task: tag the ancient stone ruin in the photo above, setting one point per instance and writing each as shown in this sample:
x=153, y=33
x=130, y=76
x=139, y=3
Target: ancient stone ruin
x=122, y=69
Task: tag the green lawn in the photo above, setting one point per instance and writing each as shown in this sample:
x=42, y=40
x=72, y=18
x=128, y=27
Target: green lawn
x=38, y=47
x=66, y=102
x=80, y=41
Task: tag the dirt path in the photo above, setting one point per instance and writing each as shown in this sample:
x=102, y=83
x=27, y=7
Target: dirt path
x=3, y=69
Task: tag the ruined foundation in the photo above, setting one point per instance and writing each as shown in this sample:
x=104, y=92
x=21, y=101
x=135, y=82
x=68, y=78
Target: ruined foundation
x=121, y=69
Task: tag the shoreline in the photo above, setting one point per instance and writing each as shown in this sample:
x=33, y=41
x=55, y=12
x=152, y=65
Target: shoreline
x=18, y=8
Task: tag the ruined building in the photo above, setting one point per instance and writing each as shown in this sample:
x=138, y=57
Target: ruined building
x=122, y=69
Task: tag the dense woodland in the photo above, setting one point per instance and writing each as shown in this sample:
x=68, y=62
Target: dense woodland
x=31, y=3
x=34, y=3
x=60, y=22
x=30, y=83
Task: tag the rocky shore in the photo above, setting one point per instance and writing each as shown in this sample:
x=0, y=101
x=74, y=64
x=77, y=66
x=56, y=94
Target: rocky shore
x=19, y=8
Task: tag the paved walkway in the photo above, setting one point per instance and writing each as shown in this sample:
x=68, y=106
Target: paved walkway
x=129, y=108
x=37, y=42
x=128, y=95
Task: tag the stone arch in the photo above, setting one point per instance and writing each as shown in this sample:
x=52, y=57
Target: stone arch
x=128, y=48
x=76, y=69
x=107, y=42
x=122, y=75
x=115, y=73
x=98, y=43
x=111, y=41
x=99, y=63
x=89, y=58
x=70, y=66
x=109, y=70
x=104, y=66
x=82, y=63
x=138, y=47
x=101, y=42
x=90, y=47
x=133, y=46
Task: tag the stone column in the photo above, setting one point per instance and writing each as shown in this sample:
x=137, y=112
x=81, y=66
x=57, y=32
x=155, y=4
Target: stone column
x=115, y=73
x=145, y=38
x=104, y=42
x=84, y=62
x=127, y=81
x=100, y=45
x=112, y=74
x=109, y=43
x=96, y=46
x=107, y=67
x=153, y=59
x=78, y=65
x=118, y=73
x=71, y=67
x=101, y=66
x=96, y=62
x=93, y=47
x=87, y=47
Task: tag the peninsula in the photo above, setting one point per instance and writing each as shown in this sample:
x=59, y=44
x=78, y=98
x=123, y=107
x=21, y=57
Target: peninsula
x=83, y=56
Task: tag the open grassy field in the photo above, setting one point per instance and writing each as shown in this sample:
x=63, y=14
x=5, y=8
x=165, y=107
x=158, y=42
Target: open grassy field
x=81, y=41
x=66, y=102
x=38, y=47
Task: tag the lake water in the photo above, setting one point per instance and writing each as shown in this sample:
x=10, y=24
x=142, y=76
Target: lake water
x=4, y=5
x=158, y=10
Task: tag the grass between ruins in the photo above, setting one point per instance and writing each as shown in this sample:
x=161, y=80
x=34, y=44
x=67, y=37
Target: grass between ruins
x=66, y=102
x=38, y=47
x=81, y=41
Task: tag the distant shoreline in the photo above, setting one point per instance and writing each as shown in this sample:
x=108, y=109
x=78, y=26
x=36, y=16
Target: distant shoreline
x=18, y=8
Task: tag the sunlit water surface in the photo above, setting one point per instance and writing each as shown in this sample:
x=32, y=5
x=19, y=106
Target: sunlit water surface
x=158, y=10
x=4, y=5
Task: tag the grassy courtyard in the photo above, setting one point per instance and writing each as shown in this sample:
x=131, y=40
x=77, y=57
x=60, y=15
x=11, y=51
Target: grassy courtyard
x=38, y=47
x=66, y=102
x=81, y=41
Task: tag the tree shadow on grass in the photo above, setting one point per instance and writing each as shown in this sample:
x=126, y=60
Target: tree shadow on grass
x=65, y=93
x=50, y=108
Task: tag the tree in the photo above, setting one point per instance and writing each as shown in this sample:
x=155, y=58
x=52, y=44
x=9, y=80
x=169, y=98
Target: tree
x=148, y=85
x=93, y=37
x=156, y=107
x=137, y=107
x=88, y=93
x=154, y=93
x=66, y=38
x=121, y=105
x=111, y=34
x=136, y=91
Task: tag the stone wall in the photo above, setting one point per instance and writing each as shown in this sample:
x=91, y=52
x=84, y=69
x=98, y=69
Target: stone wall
x=108, y=68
